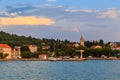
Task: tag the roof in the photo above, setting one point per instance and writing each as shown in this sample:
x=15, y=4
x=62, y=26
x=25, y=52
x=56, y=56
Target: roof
x=5, y=46
x=96, y=46
x=118, y=47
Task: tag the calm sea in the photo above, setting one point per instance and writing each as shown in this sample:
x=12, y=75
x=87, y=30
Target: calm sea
x=46, y=70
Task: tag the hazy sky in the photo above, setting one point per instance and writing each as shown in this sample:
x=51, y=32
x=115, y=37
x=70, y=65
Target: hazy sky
x=62, y=19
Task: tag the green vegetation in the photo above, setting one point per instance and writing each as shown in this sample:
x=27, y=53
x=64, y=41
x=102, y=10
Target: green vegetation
x=60, y=47
x=2, y=56
x=28, y=54
x=14, y=40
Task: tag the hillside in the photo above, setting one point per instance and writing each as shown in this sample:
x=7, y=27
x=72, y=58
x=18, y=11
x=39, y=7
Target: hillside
x=15, y=40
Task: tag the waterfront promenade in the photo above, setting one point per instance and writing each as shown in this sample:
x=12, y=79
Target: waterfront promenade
x=71, y=59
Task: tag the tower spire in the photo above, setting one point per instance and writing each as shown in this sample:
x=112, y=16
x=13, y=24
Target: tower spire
x=82, y=40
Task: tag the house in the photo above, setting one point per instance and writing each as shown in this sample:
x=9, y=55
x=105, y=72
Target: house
x=96, y=46
x=43, y=56
x=33, y=48
x=113, y=44
x=44, y=47
x=116, y=48
x=16, y=53
x=42, y=43
x=6, y=49
x=76, y=45
x=73, y=45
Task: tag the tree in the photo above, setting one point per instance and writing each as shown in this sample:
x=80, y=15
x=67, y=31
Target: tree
x=116, y=53
x=95, y=42
x=94, y=52
x=88, y=44
x=24, y=48
x=26, y=54
x=60, y=53
x=107, y=51
x=101, y=43
x=2, y=56
x=81, y=48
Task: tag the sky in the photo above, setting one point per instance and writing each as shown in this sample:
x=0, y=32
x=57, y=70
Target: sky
x=62, y=19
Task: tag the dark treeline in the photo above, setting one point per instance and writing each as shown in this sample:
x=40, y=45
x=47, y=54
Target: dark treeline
x=14, y=40
x=91, y=43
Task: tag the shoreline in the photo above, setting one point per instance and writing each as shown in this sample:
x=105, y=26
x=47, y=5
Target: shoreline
x=60, y=59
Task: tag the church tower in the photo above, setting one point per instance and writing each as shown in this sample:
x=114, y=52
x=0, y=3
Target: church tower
x=82, y=41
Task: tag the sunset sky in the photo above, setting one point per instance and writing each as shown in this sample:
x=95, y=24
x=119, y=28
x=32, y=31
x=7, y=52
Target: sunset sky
x=62, y=19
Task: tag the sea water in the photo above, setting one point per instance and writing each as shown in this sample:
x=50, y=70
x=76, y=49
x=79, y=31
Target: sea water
x=60, y=70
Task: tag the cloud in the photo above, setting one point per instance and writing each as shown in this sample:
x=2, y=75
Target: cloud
x=75, y=30
x=80, y=10
x=66, y=15
x=25, y=20
x=10, y=14
x=95, y=24
x=51, y=0
x=110, y=13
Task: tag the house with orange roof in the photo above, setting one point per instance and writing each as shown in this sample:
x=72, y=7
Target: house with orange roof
x=116, y=48
x=6, y=49
x=96, y=46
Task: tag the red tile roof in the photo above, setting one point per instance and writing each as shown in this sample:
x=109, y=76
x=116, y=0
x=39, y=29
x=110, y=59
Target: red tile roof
x=118, y=47
x=5, y=46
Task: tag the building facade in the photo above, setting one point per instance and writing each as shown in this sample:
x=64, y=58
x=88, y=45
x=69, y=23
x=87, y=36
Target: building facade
x=43, y=56
x=44, y=47
x=33, y=48
x=16, y=53
x=6, y=49
x=113, y=44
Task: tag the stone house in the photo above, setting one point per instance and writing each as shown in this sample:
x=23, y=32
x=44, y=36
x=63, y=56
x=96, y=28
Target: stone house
x=33, y=48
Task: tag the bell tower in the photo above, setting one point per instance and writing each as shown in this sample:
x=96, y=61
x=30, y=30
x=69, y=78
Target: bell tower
x=82, y=41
